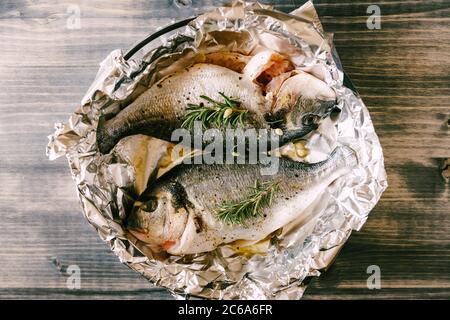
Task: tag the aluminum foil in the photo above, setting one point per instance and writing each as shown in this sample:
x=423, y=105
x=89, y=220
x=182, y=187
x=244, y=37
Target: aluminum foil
x=278, y=269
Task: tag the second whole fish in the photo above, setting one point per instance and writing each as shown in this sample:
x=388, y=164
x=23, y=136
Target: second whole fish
x=179, y=213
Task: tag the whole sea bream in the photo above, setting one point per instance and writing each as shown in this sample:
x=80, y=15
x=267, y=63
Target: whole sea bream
x=163, y=107
x=160, y=110
x=180, y=212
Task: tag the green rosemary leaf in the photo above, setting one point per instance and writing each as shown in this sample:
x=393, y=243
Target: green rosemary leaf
x=230, y=102
x=260, y=196
x=275, y=121
x=213, y=115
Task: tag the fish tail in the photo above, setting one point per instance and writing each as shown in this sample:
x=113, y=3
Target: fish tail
x=105, y=141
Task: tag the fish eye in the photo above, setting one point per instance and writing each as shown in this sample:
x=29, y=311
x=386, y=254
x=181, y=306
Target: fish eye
x=309, y=119
x=150, y=205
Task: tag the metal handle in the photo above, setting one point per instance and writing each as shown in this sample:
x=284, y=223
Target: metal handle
x=156, y=35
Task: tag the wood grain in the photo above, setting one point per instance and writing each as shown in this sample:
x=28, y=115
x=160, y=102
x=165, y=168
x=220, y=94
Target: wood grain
x=401, y=72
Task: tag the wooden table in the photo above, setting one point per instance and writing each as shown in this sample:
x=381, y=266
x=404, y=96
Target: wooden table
x=402, y=72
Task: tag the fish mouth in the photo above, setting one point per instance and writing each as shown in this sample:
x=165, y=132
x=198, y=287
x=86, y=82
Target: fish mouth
x=165, y=244
x=296, y=134
x=141, y=235
x=138, y=233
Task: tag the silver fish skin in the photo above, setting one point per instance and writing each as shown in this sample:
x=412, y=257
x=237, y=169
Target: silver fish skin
x=179, y=213
x=160, y=110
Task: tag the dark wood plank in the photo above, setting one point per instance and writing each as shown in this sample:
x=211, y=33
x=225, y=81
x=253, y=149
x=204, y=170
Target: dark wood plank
x=401, y=72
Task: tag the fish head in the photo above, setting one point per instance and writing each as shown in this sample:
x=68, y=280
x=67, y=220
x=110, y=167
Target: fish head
x=304, y=117
x=309, y=113
x=160, y=217
x=301, y=102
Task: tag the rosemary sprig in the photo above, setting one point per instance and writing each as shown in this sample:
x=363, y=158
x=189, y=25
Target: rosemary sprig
x=216, y=114
x=260, y=197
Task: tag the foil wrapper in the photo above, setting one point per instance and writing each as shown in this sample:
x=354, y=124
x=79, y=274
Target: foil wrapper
x=276, y=269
